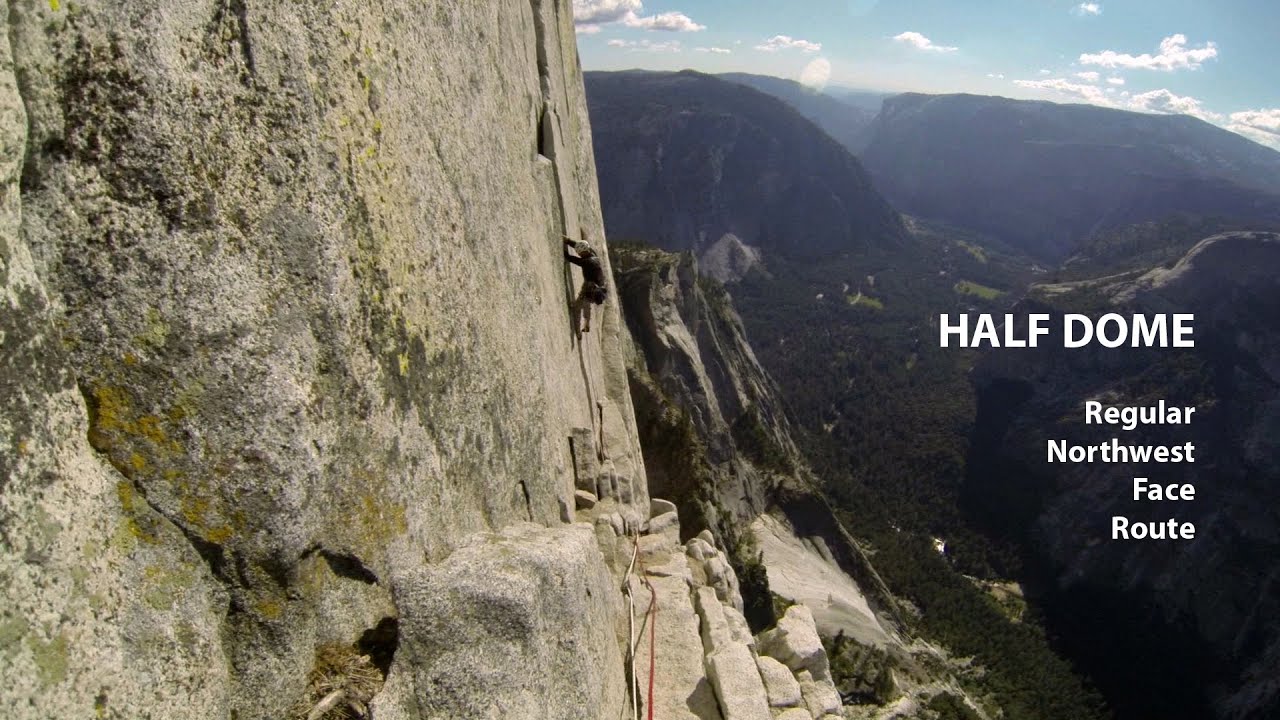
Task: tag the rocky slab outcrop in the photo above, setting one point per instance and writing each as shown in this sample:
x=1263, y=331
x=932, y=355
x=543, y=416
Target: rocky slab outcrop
x=779, y=683
x=805, y=571
x=514, y=625
x=705, y=662
x=795, y=643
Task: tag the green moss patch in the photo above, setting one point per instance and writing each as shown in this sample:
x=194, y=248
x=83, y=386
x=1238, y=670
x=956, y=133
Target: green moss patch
x=866, y=301
x=965, y=287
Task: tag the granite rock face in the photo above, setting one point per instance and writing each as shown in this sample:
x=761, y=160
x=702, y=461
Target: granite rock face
x=285, y=318
x=513, y=626
x=97, y=586
x=795, y=643
x=806, y=571
x=779, y=683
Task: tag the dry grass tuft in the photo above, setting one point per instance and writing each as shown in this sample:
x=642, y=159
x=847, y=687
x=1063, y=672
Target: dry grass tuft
x=340, y=686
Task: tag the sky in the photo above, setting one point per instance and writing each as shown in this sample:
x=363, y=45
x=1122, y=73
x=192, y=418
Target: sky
x=1218, y=60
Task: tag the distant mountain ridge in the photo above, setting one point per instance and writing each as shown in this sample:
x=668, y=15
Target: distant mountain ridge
x=846, y=122
x=1044, y=177
x=685, y=158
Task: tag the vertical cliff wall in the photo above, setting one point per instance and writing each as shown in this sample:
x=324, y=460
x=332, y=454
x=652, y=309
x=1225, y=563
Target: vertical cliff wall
x=690, y=341
x=284, y=321
x=719, y=445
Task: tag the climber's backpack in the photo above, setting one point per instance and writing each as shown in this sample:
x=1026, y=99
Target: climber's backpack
x=596, y=293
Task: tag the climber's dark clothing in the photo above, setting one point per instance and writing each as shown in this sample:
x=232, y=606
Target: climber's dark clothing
x=594, y=290
x=592, y=269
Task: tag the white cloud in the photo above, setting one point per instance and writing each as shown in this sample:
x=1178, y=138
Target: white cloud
x=1174, y=55
x=1165, y=102
x=1162, y=101
x=599, y=12
x=1063, y=86
x=716, y=50
x=996, y=76
x=1088, y=8
x=594, y=13
x=587, y=29
x=1045, y=71
x=1268, y=120
x=785, y=42
x=672, y=46
x=669, y=21
x=921, y=42
x=1089, y=76
x=1261, y=126
x=816, y=74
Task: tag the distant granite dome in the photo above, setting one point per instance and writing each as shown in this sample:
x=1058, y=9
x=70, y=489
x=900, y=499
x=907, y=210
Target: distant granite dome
x=685, y=158
x=728, y=259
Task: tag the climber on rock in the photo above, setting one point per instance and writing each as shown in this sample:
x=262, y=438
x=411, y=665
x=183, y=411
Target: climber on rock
x=594, y=291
